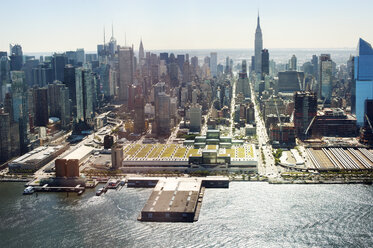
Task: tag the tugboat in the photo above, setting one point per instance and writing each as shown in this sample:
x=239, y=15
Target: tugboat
x=29, y=190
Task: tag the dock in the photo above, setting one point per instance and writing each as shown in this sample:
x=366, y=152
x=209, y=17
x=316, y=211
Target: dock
x=175, y=199
x=45, y=188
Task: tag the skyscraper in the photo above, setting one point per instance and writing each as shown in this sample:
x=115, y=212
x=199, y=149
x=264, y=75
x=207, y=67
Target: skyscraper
x=80, y=56
x=141, y=54
x=305, y=109
x=58, y=64
x=5, y=147
x=363, y=77
x=258, y=48
x=293, y=63
x=325, y=75
x=139, y=119
x=162, y=114
x=195, y=118
x=20, y=108
x=84, y=94
x=125, y=72
x=41, y=107
x=214, y=64
x=265, y=62
x=16, y=57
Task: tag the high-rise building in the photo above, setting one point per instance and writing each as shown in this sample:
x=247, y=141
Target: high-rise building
x=180, y=61
x=139, y=119
x=363, y=75
x=16, y=57
x=325, y=75
x=4, y=76
x=214, y=64
x=290, y=81
x=258, y=48
x=293, y=63
x=351, y=79
x=85, y=91
x=164, y=56
x=125, y=72
x=41, y=107
x=305, y=109
x=141, y=54
x=195, y=112
x=116, y=156
x=315, y=64
x=5, y=145
x=80, y=56
x=69, y=81
x=162, y=114
x=20, y=108
x=265, y=62
x=59, y=102
x=58, y=65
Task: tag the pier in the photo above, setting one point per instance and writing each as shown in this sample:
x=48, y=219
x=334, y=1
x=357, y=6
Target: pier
x=175, y=199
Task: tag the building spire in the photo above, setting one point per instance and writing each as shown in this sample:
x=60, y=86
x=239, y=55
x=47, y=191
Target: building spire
x=258, y=24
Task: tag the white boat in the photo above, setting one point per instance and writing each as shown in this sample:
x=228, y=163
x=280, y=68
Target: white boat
x=29, y=190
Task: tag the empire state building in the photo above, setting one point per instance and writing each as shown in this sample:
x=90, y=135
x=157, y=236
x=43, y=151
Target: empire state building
x=258, y=48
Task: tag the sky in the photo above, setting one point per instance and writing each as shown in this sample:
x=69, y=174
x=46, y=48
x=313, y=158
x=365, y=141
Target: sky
x=57, y=26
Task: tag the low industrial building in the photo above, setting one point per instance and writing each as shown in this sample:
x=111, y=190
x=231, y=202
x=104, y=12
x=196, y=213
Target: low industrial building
x=37, y=158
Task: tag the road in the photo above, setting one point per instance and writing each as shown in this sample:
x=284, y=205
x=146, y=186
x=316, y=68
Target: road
x=267, y=168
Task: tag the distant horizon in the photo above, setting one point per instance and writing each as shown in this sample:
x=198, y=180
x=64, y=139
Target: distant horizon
x=199, y=49
x=44, y=26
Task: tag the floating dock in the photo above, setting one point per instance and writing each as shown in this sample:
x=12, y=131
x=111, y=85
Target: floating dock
x=175, y=199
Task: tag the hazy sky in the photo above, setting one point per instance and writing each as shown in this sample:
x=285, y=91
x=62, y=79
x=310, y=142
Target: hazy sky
x=53, y=25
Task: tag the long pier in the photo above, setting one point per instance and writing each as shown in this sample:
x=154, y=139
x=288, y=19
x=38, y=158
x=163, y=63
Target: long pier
x=175, y=199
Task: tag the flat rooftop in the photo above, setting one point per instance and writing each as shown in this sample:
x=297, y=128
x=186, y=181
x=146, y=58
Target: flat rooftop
x=37, y=154
x=80, y=153
x=179, y=195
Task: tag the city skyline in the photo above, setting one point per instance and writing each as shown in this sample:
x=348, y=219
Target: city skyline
x=167, y=25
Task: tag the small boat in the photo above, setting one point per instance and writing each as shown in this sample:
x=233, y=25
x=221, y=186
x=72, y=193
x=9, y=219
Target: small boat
x=113, y=184
x=29, y=190
x=99, y=191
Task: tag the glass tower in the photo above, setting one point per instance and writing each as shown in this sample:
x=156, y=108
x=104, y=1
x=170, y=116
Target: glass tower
x=363, y=77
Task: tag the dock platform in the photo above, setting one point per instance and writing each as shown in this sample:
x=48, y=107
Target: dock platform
x=175, y=199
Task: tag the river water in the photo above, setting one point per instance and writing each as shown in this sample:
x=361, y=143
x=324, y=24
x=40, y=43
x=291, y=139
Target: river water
x=248, y=214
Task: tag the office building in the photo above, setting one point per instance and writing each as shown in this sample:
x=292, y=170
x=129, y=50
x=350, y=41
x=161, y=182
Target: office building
x=125, y=72
x=116, y=156
x=139, y=119
x=59, y=102
x=58, y=65
x=5, y=144
x=16, y=57
x=214, y=64
x=20, y=108
x=85, y=90
x=325, y=85
x=80, y=56
x=363, y=77
x=290, y=81
x=305, y=109
x=162, y=114
x=258, y=48
x=41, y=107
x=265, y=63
x=332, y=122
x=293, y=63
x=195, y=118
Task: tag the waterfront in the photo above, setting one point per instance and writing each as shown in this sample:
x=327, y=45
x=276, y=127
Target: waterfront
x=245, y=215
